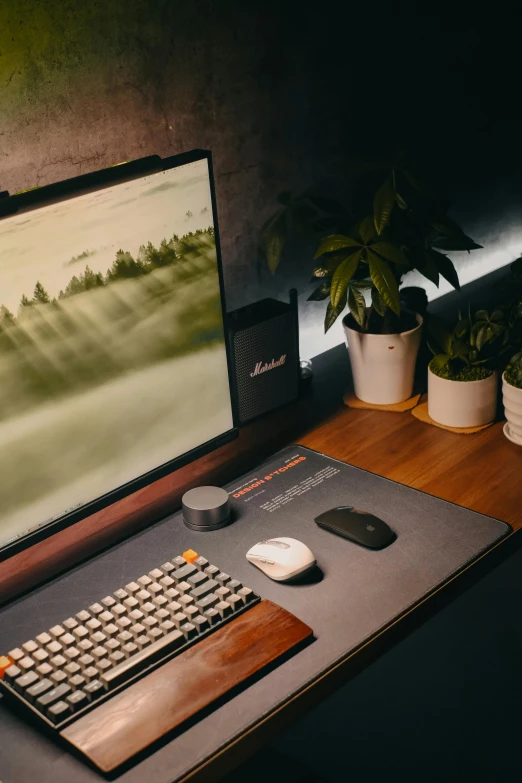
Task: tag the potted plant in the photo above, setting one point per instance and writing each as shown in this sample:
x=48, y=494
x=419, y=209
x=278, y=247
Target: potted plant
x=462, y=375
x=512, y=397
x=395, y=227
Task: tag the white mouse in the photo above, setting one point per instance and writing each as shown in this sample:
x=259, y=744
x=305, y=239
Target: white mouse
x=281, y=558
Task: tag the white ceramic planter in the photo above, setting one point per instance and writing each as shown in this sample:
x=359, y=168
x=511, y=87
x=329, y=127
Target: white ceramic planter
x=383, y=365
x=462, y=403
x=512, y=398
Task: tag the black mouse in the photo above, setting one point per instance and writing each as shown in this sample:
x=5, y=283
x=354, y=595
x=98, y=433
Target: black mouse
x=357, y=526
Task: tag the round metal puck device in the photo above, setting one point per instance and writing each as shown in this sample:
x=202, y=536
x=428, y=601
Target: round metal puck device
x=206, y=508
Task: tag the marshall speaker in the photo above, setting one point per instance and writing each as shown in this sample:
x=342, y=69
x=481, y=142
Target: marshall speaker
x=264, y=345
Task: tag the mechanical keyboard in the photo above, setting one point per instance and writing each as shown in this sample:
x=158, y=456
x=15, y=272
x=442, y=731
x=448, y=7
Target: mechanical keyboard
x=69, y=669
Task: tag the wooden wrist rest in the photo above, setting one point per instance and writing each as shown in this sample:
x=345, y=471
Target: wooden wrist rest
x=161, y=701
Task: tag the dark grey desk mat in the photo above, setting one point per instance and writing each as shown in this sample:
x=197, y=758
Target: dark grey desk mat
x=360, y=592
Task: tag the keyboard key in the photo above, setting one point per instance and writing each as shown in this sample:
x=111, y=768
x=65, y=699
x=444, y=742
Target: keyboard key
x=67, y=640
x=117, y=657
x=137, y=629
x=208, y=587
x=108, y=601
x=77, y=681
x=171, y=594
x=38, y=689
x=200, y=562
x=202, y=624
x=211, y=571
x=72, y=668
x=182, y=573
x=235, y=601
x=155, y=589
x=85, y=645
x=98, y=638
x=121, y=595
x=143, y=597
x=58, y=677
x=93, y=690
x=150, y=622
x=98, y=653
x=161, y=615
x=111, y=645
x=105, y=618
x=80, y=632
x=222, y=578
x=185, y=600
x=43, y=639
x=56, y=631
x=190, y=555
x=234, y=585
x=155, y=574
x=111, y=630
x=59, y=711
x=54, y=648
x=16, y=655
x=166, y=582
x=123, y=623
x=103, y=665
x=148, y=608
x=71, y=654
x=167, y=569
x=129, y=649
x=246, y=594
x=224, y=609
x=26, y=664
x=93, y=624
x=45, y=669
x=70, y=623
x=188, y=630
x=222, y=593
x=118, y=609
x=212, y=616
x=207, y=601
x=52, y=696
x=5, y=663
x=131, y=602
x=144, y=581
x=136, y=615
x=124, y=637
x=142, y=641
x=184, y=587
x=154, y=633
x=178, y=619
x=40, y=655
x=90, y=673
x=11, y=674
x=179, y=561
x=132, y=587
x=29, y=647
x=96, y=609
x=160, y=601
x=25, y=681
x=77, y=700
x=135, y=663
x=83, y=616
x=85, y=661
x=191, y=611
x=197, y=579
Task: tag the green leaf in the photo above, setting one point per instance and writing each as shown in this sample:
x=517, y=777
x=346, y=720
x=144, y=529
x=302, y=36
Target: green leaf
x=481, y=338
x=440, y=360
x=332, y=313
x=383, y=204
x=446, y=268
x=377, y=303
x=440, y=332
x=330, y=263
x=274, y=242
x=429, y=269
x=384, y=281
x=366, y=229
x=342, y=276
x=400, y=201
x=357, y=305
x=362, y=284
x=391, y=252
x=320, y=293
x=455, y=243
x=335, y=242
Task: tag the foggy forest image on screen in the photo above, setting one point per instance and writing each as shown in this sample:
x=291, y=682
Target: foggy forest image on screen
x=112, y=355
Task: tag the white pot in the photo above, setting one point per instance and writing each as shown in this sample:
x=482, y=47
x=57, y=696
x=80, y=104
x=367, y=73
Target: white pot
x=512, y=398
x=383, y=365
x=462, y=403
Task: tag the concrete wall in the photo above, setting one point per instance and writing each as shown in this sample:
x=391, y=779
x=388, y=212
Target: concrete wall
x=282, y=93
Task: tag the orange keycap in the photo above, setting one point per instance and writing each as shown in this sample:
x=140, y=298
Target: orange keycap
x=190, y=555
x=5, y=663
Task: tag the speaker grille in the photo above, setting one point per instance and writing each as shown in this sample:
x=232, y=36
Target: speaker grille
x=259, y=391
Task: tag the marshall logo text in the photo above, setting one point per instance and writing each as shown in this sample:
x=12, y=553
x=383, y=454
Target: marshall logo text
x=260, y=368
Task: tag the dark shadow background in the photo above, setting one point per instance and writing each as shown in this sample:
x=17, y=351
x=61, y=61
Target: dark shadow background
x=284, y=93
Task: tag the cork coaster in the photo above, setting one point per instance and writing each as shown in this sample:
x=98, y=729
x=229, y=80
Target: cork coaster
x=421, y=413
x=352, y=401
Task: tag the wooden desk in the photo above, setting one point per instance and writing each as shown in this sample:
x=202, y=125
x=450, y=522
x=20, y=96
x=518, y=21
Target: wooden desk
x=480, y=471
